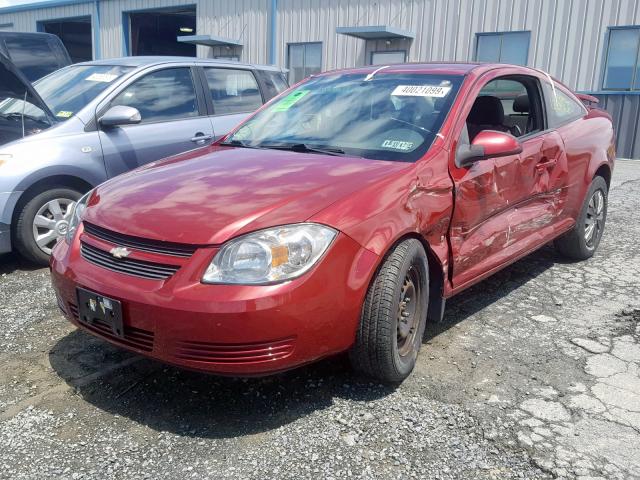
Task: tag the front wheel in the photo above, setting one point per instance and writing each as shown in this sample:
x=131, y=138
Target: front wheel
x=394, y=315
x=43, y=219
x=583, y=240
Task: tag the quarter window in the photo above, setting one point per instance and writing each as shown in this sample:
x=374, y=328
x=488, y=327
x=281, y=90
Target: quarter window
x=233, y=91
x=163, y=95
x=304, y=59
x=503, y=47
x=561, y=108
x=622, y=68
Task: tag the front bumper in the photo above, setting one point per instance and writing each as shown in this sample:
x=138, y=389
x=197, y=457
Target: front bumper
x=227, y=329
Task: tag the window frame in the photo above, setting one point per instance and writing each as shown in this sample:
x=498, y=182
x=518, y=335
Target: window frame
x=207, y=91
x=388, y=51
x=197, y=87
x=304, y=44
x=501, y=35
x=605, y=60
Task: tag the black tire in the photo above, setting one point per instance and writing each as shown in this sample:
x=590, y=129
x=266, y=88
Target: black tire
x=380, y=351
x=574, y=244
x=24, y=240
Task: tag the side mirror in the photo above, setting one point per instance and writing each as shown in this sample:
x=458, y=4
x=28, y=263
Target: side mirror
x=120, y=115
x=487, y=144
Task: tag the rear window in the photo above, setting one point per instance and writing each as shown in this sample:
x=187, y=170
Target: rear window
x=233, y=91
x=35, y=56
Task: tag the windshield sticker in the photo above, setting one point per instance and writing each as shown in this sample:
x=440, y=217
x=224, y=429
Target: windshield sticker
x=290, y=100
x=102, y=77
x=421, y=91
x=398, y=145
x=64, y=114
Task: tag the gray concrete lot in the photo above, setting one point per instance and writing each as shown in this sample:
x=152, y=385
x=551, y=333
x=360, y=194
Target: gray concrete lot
x=535, y=373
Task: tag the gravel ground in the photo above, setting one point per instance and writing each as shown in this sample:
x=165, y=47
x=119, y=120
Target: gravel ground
x=535, y=373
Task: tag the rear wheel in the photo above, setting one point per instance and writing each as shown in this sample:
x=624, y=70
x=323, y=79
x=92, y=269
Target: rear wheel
x=583, y=240
x=43, y=219
x=393, y=316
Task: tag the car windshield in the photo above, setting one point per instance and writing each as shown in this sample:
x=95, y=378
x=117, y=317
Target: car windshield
x=383, y=116
x=65, y=91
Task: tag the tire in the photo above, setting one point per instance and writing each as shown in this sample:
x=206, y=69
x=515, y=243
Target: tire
x=386, y=348
x=578, y=244
x=24, y=235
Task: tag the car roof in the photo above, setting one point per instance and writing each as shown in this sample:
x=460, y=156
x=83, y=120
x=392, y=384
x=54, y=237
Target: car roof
x=145, y=61
x=445, y=68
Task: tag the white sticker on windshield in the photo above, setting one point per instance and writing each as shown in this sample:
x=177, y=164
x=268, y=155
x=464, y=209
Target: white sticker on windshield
x=102, y=77
x=398, y=145
x=421, y=91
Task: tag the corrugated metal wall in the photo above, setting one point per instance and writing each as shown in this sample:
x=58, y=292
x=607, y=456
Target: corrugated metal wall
x=567, y=39
x=625, y=111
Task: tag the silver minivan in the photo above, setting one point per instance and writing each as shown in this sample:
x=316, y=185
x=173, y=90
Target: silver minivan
x=88, y=122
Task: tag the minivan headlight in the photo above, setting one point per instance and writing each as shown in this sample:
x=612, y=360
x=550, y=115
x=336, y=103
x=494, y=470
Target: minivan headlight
x=76, y=216
x=270, y=256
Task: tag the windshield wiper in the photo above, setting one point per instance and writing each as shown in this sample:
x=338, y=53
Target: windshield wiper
x=303, y=148
x=236, y=143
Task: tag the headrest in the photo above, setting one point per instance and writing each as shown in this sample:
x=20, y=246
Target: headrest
x=521, y=103
x=486, y=110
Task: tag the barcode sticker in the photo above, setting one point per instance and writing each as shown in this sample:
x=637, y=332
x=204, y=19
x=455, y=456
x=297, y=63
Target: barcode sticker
x=421, y=91
x=102, y=77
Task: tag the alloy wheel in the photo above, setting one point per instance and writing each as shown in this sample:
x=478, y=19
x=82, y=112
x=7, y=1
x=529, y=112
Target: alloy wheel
x=51, y=222
x=594, y=221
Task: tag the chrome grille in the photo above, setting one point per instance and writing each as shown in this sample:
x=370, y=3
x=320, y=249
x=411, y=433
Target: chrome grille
x=137, y=243
x=137, y=268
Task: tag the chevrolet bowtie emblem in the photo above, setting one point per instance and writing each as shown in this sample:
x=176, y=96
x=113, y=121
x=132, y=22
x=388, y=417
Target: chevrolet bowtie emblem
x=120, y=252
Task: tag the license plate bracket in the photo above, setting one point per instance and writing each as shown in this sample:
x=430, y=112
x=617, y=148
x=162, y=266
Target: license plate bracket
x=95, y=309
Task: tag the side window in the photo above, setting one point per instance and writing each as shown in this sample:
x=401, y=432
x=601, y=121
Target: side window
x=510, y=105
x=233, y=91
x=163, y=95
x=561, y=107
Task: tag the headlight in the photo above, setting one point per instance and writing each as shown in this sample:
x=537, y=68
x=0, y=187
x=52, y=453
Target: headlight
x=76, y=216
x=270, y=256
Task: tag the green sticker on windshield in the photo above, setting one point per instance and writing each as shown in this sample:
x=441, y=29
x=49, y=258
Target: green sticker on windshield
x=64, y=114
x=290, y=100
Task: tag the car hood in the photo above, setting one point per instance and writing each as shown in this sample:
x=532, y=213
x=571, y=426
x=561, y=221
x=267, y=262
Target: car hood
x=207, y=199
x=13, y=84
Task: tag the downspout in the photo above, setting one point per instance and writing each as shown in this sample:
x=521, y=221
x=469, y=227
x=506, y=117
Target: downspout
x=272, y=32
x=97, y=50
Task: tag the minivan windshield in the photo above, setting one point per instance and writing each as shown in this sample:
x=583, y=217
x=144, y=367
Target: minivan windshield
x=387, y=116
x=65, y=91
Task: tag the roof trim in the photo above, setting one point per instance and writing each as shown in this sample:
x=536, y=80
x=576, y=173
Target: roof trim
x=209, y=40
x=41, y=4
x=375, y=32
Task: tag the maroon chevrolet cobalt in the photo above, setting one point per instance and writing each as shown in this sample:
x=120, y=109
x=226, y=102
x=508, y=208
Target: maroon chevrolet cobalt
x=338, y=218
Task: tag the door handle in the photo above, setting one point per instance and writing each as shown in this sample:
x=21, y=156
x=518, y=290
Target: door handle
x=545, y=164
x=201, y=138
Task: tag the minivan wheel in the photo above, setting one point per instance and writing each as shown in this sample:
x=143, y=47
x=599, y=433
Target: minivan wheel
x=582, y=241
x=394, y=315
x=43, y=219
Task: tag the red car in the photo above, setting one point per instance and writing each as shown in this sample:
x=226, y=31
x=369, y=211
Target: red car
x=337, y=218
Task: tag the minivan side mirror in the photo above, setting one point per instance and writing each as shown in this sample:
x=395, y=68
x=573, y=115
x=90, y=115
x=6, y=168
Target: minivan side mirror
x=120, y=115
x=487, y=144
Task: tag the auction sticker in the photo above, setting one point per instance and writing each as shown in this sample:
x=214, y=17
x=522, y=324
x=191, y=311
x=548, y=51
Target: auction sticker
x=421, y=91
x=397, y=145
x=102, y=77
x=290, y=100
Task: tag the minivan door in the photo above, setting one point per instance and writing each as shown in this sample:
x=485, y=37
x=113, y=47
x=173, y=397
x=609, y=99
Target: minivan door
x=173, y=121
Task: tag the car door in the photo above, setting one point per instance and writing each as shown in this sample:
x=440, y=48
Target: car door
x=173, y=117
x=504, y=204
x=233, y=94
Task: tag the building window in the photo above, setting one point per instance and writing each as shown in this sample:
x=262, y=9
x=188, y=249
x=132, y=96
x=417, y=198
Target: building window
x=387, y=58
x=503, y=47
x=622, y=68
x=304, y=59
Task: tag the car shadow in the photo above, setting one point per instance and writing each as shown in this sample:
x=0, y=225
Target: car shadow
x=196, y=404
x=12, y=262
